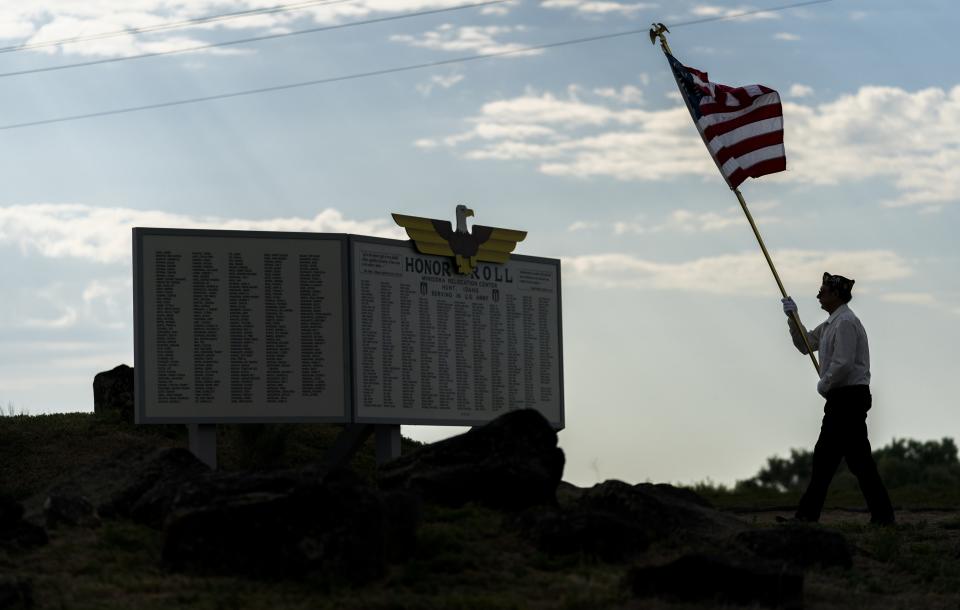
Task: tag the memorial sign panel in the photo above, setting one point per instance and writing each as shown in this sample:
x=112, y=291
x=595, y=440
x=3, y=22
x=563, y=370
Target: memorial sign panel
x=240, y=326
x=433, y=346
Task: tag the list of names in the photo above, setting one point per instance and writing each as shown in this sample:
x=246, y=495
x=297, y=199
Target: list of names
x=243, y=327
x=438, y=346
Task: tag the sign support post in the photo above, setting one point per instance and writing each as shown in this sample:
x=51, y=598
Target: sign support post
x=388, y=442
x=203, y=443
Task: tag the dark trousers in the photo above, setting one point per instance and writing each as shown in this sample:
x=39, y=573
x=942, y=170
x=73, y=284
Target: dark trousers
x=844, y=435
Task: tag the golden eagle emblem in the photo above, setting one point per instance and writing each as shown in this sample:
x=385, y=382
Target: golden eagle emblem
x=488, y=244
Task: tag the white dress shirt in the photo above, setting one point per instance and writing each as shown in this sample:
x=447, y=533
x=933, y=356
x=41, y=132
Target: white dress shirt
x=844, y=353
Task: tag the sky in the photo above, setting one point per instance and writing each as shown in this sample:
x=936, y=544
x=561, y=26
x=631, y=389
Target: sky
x=678, y=365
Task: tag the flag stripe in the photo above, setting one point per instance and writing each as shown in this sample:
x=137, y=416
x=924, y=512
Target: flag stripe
x=713, y=116
x=742, y=133
x=746, y=145
x=770, y=166
x=770, y=111
x=750, y=159
x=724, y=98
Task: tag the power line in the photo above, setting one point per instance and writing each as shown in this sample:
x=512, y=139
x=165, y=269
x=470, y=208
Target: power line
x=325, y=28
x=747, y=13
x=382, y=72
x=280, y=8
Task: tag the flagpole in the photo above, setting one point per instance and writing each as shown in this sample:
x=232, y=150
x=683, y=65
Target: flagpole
x=656, y=31
x=776, y=276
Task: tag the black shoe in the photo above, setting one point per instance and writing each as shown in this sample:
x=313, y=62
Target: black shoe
x=883, y=522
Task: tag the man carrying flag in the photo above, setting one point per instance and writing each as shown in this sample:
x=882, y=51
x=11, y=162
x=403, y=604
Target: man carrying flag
x=742, y=128
x=845, y=383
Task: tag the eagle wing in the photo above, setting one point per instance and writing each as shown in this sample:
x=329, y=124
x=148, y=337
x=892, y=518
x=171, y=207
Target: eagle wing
x=495, y=245
x=430, y=236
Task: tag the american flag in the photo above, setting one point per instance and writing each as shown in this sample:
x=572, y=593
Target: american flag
x=741, y=126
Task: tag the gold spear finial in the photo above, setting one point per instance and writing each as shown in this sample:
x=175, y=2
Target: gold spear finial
x=656, y=31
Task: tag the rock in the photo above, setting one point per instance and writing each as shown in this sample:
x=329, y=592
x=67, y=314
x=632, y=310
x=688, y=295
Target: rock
x=66, y=505
x=272, y=526
x=15, y=592
x=720, y=580
x=511, y=463
x=15, y=533
x=402, y=513
x=602, y=534
x=137, y=483
x=664, y=511
x=113, y=394
x=799, y=545
x=568, y=493
x=11, y=512
x=146, y=492
x=615, y=521
x=23, y=536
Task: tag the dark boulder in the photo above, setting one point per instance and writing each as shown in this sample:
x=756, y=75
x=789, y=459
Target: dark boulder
x=15, y=533
x=720, y=580
x=138, y=483
x=511, y=463
x=664, y=511
x=15, y=592
x=614, y=520
x=145, y=489
x=67, y=506
x=11, y=511
x=113, y=394
x=274, y=525
x=799, y=545
x=602, y=534
x=402, y=513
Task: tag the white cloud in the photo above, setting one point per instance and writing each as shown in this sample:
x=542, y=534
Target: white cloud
x=921, y=299
x=102, y=234
x=686, y=221
x=623, y=227
x=467, y=39
x=627, y=94
x=438, y=80
x=582, y=225
x=67, y=319
x=712, y=10
x=910, y=298
x=599, y=7
x=744, y=273
x=499, y=9
x=100, y=303
x=798, y=90
x=39, y=21
x=533, y=107
x=911, y=138
x=107, y=301
x=787, y=36
x=626, y=143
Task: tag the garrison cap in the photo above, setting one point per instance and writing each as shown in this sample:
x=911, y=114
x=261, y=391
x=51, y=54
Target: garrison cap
x=843, y=286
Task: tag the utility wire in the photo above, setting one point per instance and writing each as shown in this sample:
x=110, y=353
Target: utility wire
x=385, y=71
x=747, y=13
x=325, y=28
x=280, y=8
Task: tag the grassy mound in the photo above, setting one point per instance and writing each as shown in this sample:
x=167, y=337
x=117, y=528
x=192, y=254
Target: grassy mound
x=465, y=558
